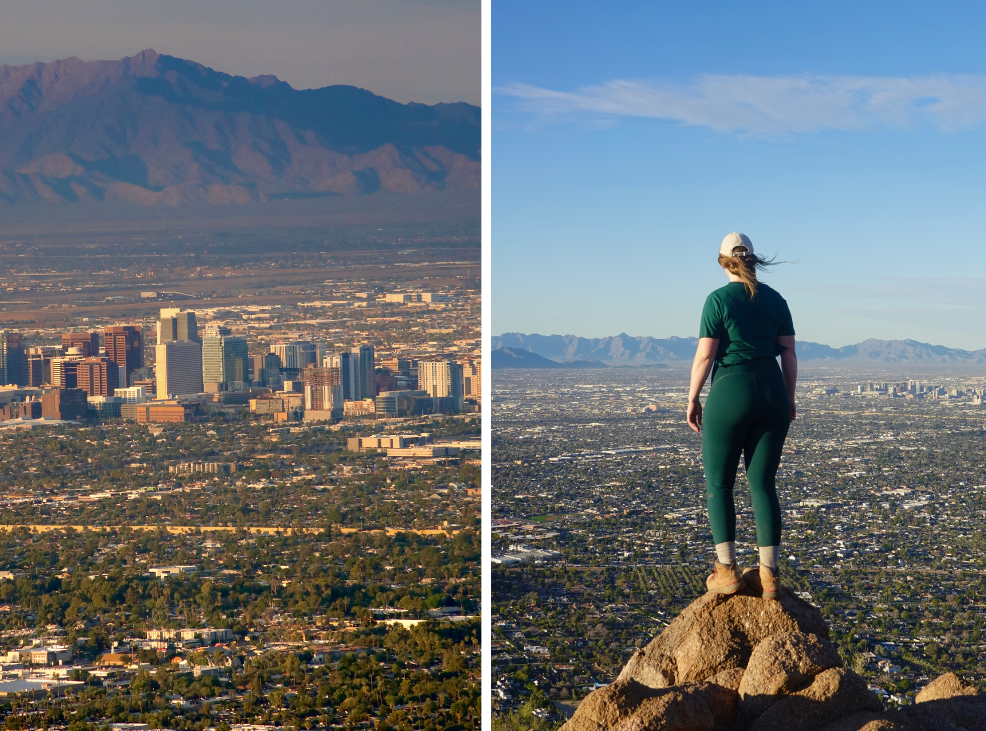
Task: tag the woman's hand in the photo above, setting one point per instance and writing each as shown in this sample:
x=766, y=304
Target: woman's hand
x=694, y=415
x=705, y=354
x=794, y=410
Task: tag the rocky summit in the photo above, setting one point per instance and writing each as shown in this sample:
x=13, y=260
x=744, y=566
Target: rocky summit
x=745, y=663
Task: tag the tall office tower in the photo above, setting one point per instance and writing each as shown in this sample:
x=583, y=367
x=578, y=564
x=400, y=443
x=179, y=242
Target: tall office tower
x=212, y=356
x=97, y=376
x=367, y=371
x=442, y=379
x=36, y=371
x=39, y=364
x=258, y=373
x=307, y=353
x=65, y=371
x=287, y=353
x=271, y=368
x=176, y=324
x=13, y=359
x=472, y=380
x=348, y=366
x=87, y=343
x=224, y=357
x=124, y=345
x=236, y=369
x=295, y=355
x=186, y=327
x=178, y=368
x=167, y=325
x=323, y=389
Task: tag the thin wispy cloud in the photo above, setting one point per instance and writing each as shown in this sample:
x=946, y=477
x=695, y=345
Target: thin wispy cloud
x=773, y=105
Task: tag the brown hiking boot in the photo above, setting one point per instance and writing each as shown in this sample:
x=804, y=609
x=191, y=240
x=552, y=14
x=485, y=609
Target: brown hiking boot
x=770, y=579
x=726, y=579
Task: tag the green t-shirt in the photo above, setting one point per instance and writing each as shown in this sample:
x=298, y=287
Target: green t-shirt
x=746, y=329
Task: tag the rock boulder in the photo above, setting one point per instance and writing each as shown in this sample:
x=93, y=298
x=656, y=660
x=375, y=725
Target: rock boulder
x=745, y=663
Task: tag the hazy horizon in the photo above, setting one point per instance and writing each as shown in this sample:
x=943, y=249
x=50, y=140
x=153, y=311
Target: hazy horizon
x=683, y=337
x=426, y=51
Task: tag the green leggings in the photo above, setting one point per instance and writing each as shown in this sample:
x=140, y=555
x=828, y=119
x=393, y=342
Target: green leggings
x=747, y=411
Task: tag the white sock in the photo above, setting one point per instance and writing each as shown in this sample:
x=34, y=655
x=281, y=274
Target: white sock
x=726, y=552
x=769, y=556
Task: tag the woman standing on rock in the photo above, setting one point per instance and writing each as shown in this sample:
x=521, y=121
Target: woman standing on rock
x=745, y=326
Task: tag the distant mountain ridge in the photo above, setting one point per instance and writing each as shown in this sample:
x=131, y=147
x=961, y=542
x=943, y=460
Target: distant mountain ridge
x=625, y=349
x=155, y=129
x=519, y=358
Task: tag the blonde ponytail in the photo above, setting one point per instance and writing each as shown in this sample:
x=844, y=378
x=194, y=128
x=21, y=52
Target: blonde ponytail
x=745, y=267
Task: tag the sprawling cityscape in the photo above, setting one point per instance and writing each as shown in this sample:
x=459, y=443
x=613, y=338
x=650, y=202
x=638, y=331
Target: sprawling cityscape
x=601, y=536
x=241, y=508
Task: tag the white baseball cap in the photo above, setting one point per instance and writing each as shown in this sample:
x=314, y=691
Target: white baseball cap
x=734, y=240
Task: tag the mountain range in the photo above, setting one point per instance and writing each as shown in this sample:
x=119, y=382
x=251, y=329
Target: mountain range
x=519, y=358
x=624, y=349
x=158, y=130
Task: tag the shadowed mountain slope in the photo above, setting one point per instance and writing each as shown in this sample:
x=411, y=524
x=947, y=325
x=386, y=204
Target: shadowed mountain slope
x=519, y=358
x=154, y=129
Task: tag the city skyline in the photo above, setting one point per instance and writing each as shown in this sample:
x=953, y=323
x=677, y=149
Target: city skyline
x=207, y=366
x=628, y=143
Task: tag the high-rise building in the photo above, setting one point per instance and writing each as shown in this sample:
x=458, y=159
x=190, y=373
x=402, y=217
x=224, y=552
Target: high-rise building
x=224, y=357
x=442, y=379
x=186, y=327
x=266, y=368
x=13, y=359
x=124, y=345
x=87, y=343
x=472, y=380
x=272, y=367
x=36, y=371
x=64, y=370
x=212, y=361
x=295, y=356
x=176, y=324
x=287, y=353
x=97, y=376
x=323, y=390
x=178, y=368
x=258, y=373
x=307, y=353
x=39, y=364
x=212, y=353
x=367, y=370
x=167, y=326
x=348, y=366
x=236, y=370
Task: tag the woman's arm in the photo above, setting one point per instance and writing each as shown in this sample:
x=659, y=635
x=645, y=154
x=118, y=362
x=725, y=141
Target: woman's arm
x=789, y=367
x=704, y=357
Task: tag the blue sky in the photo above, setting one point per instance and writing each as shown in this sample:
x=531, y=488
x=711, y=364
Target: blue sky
x=847, y=138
